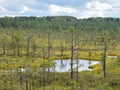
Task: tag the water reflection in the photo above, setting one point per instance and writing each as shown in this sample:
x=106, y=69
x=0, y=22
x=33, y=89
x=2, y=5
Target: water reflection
x=64, y=65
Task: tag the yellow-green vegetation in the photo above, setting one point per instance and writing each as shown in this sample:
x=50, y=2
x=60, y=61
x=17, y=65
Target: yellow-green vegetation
x=87, y=80
x=26, y=53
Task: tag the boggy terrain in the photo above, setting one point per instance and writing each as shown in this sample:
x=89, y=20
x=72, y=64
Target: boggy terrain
x=28, y=45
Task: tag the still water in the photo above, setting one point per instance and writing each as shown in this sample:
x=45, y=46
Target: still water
x=64, y=65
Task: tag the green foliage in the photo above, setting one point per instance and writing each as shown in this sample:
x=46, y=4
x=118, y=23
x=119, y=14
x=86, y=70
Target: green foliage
x=61, y=22
x=47, y=64
x=24, y=44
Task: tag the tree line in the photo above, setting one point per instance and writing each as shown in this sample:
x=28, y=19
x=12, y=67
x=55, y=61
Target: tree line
x=60, y=23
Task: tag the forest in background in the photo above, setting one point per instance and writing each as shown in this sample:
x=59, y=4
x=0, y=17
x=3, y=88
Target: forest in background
x=33, y=42
x=60, y=23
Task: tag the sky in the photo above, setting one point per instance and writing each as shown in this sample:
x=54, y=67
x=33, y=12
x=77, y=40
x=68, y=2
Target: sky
x=76, y=8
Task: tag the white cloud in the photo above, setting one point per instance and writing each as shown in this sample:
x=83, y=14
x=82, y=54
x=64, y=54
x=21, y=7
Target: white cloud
x=55, y=9
x=2, y=9
x=24, y=9
x=95, y=9
x=114, y=3
x=96, y=5
x=18, y=7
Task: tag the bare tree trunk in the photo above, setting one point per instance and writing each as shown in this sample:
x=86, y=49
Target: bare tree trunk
x=104, y=59
x=33, y=83
x=29, y=37
x=77, y=70
x=4, y=47
x=18, y=49
x=72, y=54
x=26, y=83
x=28, y=46
x=49, y=49
x=10, y=74
x=62, y=50
x=72, y=62
x=11, y=77
x=44, y=72
x=20, y=79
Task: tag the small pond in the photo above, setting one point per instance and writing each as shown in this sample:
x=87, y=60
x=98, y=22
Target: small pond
x=64, y=65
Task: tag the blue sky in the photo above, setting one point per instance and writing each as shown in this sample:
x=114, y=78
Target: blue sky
x=76, y=8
